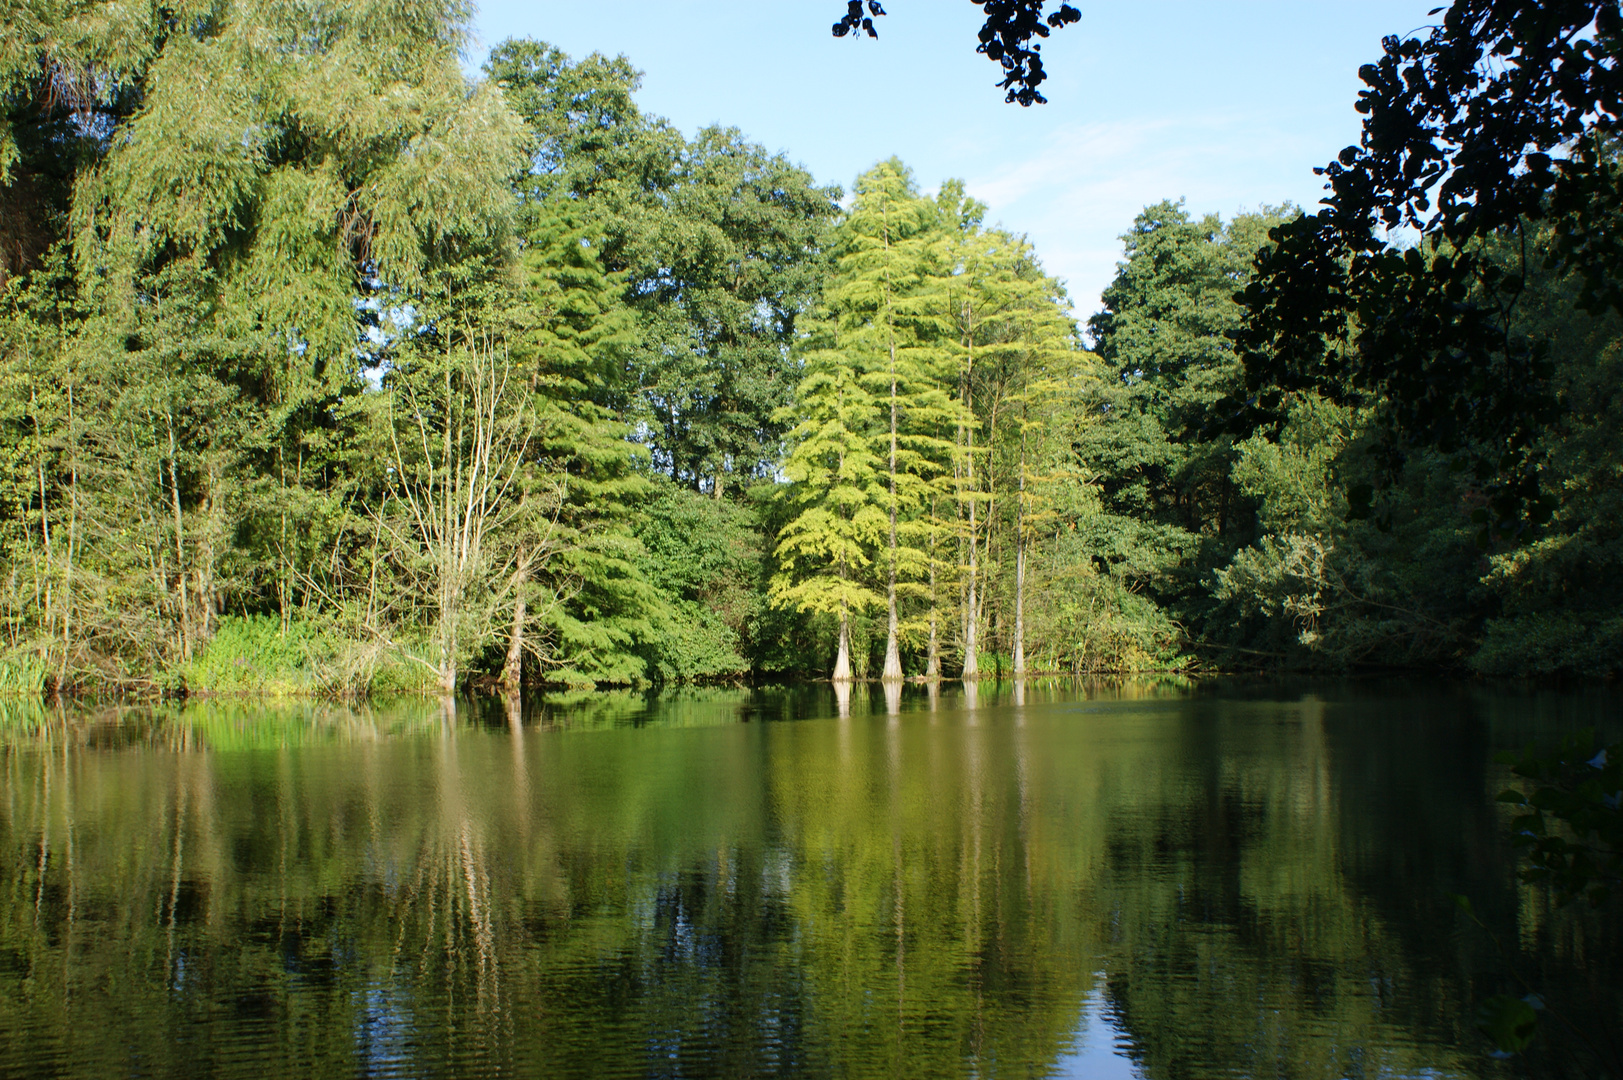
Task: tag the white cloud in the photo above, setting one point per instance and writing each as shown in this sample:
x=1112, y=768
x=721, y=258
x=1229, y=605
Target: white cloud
x=1080, y=190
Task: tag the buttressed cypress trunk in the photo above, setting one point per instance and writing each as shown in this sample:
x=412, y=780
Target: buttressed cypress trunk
x=842, y=658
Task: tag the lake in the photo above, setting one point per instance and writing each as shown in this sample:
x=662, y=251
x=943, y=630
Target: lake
x=1141, y=880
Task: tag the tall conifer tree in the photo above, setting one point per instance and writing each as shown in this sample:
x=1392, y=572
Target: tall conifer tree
x=838, y=494
x=882, y=269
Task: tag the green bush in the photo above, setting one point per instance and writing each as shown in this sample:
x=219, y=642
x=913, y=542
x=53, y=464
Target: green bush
x=696, y=644
x=1551, y=643
x=704, y=557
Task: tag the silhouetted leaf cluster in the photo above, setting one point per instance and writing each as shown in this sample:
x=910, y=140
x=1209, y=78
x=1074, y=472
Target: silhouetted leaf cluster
x=1500, y=118
x=1572, y=822
x=1007, y=37
x=854, y=20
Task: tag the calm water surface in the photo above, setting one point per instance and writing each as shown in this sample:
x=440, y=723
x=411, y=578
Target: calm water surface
x=1141, y=881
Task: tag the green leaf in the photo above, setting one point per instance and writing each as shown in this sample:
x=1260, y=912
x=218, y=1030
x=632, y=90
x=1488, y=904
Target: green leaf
x=1509, y=1021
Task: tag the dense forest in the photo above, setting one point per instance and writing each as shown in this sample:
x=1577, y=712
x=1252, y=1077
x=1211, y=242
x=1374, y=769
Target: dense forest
x=326, y=368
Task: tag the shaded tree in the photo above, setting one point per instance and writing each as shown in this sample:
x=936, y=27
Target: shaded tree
x=1498, y=119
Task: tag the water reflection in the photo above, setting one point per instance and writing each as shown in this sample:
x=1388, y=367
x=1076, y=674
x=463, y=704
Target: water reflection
x=1100, y=1050
x=998, y=880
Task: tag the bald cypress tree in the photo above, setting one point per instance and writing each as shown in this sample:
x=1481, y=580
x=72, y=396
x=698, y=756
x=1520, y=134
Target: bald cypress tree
x=879, y=323
x=838, y=497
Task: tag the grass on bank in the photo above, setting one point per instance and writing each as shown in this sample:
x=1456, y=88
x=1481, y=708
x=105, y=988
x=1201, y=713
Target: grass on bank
x=256, y=655
x=22, y=672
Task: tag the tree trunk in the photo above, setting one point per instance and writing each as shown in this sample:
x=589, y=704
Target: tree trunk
x=1020, y=609
x=48, y=608
x=1020, y=569
x=842, y=658
x=208, y=600
x=513, y=667
x=932, y=661
x=73, y=542
x=972, y=612
x=893, y=653
x=284, y=570
x=182, y=586
x=972, y=661
x=972, y=656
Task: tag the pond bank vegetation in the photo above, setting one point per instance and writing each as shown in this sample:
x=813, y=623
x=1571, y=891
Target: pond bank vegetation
x=505, y=382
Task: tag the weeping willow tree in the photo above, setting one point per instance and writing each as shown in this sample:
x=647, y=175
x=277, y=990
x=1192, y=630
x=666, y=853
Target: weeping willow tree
x=221, y=187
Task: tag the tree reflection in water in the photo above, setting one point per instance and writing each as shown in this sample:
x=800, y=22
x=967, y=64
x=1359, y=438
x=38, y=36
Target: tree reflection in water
x=1022, y=881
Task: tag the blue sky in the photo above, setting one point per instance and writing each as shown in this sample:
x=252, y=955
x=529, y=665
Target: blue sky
x=1228, y=105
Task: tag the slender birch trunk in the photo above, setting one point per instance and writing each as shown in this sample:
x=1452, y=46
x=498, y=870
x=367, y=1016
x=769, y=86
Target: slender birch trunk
x=893, y=655
x=73, y=544
x=450, y=591
x=49, y=557
x=1020, y=568
x=932, y=660
x=213, y=526
x=972, y=615
x=284, y=571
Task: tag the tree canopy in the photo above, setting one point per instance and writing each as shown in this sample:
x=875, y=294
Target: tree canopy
x=326, y=367
x=1009, y=37
x=1501, y=121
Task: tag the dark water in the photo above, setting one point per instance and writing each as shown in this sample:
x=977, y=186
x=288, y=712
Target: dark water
x=1136, y=882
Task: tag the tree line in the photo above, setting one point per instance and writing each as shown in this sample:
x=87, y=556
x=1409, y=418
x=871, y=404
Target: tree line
x=323, y=367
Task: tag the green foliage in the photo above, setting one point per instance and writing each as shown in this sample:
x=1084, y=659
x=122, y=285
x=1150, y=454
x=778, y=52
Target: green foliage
x=1083, y=621
x=1500, y=119
x=1550, y=644
x=1560, y=592
x=509, y=381
x=705, y=554
x=836, y=490
x=23, y=672
x=1511, y=1022
x=720, y=244
x=1571, y=822
x=258, y=655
